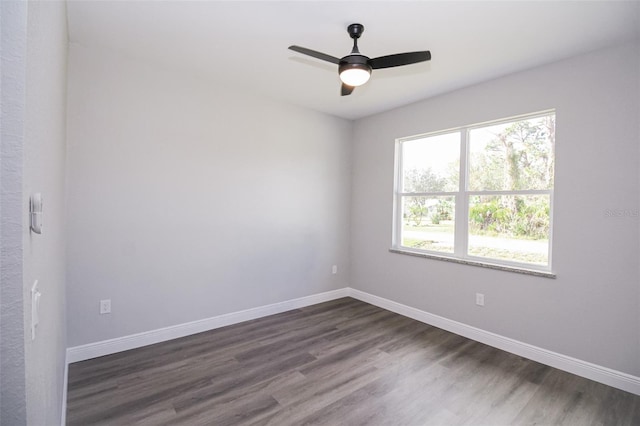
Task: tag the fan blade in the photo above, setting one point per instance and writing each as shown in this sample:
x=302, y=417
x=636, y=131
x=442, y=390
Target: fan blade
x=317, y=55
x=346, y=90
x=399, y=59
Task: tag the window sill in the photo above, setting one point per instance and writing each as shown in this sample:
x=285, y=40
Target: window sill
x=474, y=263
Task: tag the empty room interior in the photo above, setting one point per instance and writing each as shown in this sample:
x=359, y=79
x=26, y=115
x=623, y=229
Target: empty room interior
x=283, y=213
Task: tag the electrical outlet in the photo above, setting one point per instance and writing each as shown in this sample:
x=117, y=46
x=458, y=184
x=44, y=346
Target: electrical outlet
x=105, y=306
x=334, y=269
x=479, y=299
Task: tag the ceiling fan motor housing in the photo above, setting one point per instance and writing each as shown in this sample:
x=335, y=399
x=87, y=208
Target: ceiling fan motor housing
x=354, y=61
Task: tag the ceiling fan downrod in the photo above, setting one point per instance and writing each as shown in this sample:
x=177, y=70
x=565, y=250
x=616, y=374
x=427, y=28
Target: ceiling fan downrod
x=355, y=31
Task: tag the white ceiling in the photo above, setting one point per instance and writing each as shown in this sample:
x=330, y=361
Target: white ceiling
x=244, y=44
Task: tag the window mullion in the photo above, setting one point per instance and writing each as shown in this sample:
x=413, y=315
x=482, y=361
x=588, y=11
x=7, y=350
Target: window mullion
x=460, y=235
x=398, y=198
x=428, y=194
x=514, y=192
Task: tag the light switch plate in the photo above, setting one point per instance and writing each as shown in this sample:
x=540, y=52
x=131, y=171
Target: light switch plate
x=35, y=210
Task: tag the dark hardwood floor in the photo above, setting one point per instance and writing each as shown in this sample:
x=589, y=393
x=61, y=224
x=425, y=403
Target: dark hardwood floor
x=343, y=362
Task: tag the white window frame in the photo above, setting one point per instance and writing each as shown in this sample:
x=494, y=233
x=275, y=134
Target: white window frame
x=461, y=229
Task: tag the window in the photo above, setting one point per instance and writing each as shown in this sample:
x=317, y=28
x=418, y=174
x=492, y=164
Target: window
x=480, y=193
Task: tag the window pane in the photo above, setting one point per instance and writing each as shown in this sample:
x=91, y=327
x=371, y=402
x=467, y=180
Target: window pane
x=512, y=156
x=510, y=227
x=428, y=223
x=431, y=164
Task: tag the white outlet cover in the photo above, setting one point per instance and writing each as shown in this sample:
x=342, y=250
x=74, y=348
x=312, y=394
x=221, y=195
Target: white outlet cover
x=105, y=306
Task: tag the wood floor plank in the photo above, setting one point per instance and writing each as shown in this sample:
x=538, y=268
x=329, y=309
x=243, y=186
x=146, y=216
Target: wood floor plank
x=342, y=362
x=323, y=388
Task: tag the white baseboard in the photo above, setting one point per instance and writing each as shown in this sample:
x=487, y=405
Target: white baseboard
x=616, y=379
x=119, y=344
x=581, y=368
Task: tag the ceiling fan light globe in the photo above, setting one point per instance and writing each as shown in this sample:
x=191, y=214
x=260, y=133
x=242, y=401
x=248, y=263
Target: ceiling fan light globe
x=355, y=77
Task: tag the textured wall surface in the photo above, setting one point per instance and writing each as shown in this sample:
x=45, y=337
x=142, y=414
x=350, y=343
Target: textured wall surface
x=12, y=361
x=591, y=311
x=188, y=199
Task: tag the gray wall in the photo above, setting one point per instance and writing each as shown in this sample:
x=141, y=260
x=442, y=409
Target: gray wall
x=44, y=172
x=591, y=311
x=188, y=199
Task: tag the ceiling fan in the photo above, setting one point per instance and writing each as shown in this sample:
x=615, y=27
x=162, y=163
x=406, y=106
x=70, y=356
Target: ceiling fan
x=355, y=68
